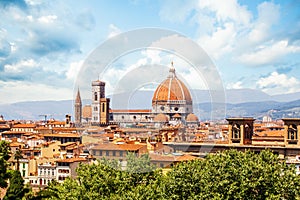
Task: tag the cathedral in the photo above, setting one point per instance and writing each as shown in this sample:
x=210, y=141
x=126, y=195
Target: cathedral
x=171, y=104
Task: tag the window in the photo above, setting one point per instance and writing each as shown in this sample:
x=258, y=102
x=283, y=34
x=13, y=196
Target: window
x=121, y=153
x=103, y=107
x=100, y=153
x=161, y=165
x=95, y=108
x=95, y=96
x=23, y=173
x=107, y=153
x=23, y=165
x=114, y=153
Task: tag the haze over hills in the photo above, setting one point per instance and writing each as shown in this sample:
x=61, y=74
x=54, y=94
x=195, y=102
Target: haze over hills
x=241, y=102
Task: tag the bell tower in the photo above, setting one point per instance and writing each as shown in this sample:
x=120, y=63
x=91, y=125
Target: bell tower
x=100, y=104
x=291, y=131
x=240, y=130
x=78, y=108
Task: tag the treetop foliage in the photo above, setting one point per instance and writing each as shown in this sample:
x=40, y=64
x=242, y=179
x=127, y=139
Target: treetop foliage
x=227, y=175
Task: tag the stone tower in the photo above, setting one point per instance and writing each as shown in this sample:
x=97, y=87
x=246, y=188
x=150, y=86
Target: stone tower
x=240, y=130
x=100, y=104
x=291, y=131
x=78, y=108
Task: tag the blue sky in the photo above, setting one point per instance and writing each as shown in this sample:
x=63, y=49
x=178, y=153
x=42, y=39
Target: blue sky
x=254, y=44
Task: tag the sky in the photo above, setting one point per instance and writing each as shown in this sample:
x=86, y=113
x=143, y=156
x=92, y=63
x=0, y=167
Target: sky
x=43, y=44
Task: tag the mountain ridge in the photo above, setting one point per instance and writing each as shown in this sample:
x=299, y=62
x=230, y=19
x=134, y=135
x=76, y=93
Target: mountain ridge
x=240, y=102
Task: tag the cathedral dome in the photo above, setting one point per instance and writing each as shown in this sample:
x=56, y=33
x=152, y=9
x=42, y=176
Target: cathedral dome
x=161, y=118
x=192, y=118
x=171, y=89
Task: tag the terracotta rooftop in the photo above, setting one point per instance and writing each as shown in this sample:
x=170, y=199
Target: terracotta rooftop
x=24, y=126
x=270, y=133
x=61, y=135
x=124, y=147
x=14, y=132
x=71, y=160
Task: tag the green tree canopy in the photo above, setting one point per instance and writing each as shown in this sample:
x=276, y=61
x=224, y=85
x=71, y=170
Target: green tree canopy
x=226, y=175
x=234, y=175
x=16, y=189
x=17, y=156
x=4, y=156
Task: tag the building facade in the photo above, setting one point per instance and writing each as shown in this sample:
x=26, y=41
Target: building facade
x=171, y=98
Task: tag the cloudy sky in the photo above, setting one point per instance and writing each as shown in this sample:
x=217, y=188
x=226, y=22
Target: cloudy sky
x=43, y=44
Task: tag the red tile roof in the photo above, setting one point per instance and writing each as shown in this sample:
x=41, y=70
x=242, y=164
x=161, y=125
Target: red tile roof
x=71, y=160
x=124, y=147
x=24, y=125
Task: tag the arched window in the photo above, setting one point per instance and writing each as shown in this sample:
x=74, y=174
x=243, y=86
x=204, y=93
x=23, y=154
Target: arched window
x=292, y=132
x=95, y=96
x=236, y=131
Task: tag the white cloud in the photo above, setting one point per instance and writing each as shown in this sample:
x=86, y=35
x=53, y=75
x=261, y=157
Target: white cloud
x=24, y=91
x=20, y=66
x=219, y=42
x=113, y=31
x=269, y=53
x=176, y=11
x=47, y=19
x=277, y=83
x=33, y=2
x=74, y=69
x=227, y=10
x=236, y=85
x=152, y=55
x=268, y=14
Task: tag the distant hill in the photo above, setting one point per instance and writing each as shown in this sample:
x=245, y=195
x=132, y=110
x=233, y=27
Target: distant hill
x=243, y=102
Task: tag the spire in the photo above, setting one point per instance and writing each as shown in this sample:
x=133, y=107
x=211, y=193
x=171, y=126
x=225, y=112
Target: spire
x=78, y=98
x=172, y=71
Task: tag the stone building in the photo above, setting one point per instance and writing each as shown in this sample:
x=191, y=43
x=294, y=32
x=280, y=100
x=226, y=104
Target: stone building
x=171, y=101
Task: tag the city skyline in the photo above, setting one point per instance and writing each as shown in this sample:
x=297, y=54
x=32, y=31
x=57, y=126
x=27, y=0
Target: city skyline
x=44, y=43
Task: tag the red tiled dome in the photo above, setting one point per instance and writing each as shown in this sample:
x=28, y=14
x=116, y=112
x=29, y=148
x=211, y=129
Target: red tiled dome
x=172, y=89
x=161, y=118
x=192, y=118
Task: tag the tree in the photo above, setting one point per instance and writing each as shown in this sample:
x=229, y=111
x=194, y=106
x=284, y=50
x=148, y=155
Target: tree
x=4, y=156
x=225, y=175
x=17, y=156
x=106, y=180
x=16, y=189
x=234, y=175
